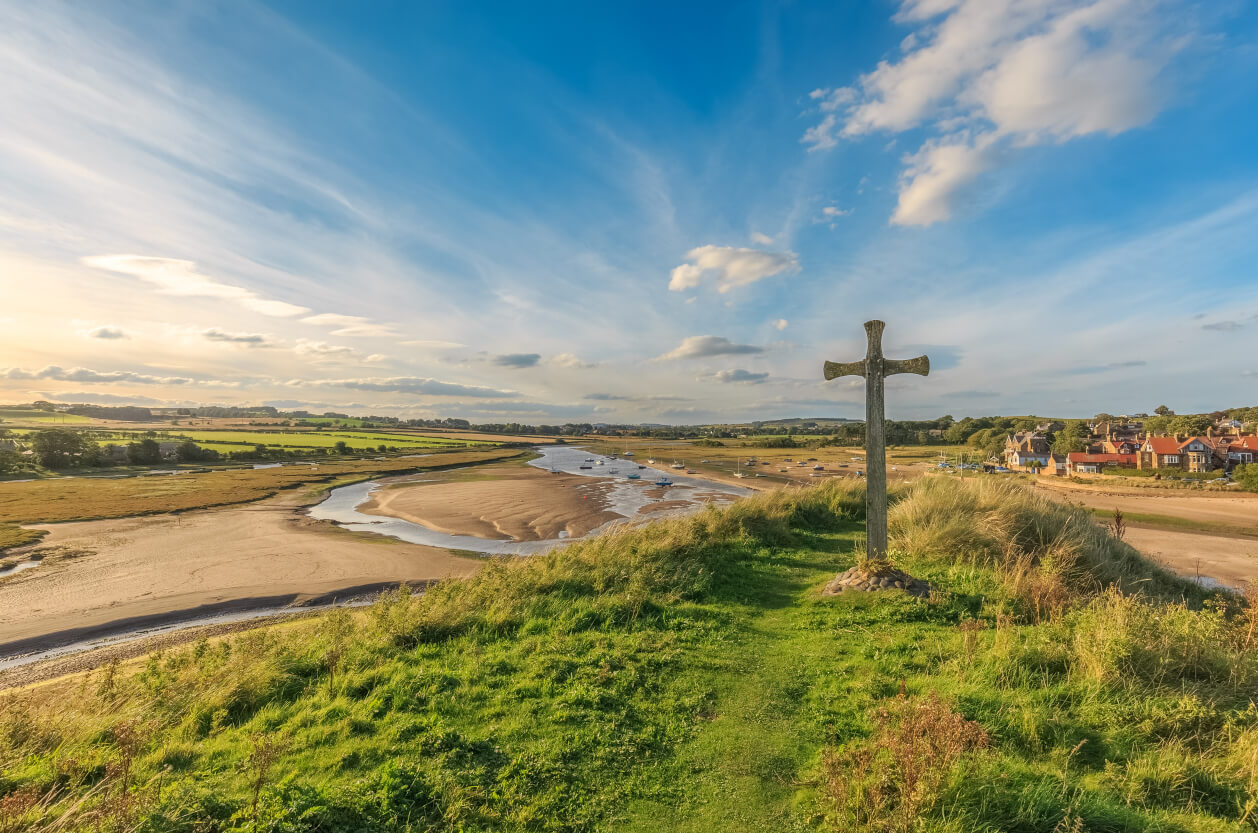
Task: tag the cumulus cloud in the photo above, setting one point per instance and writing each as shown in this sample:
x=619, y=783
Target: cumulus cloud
x=409, y=384
x=781, y=324
x=739, y=376
x=986, y=75
x=106, y=333
x=517, y=360
x=83, y=374
x=699, y=347
x=730, y=267
x=244, y=339
x=181, y=278
x=570, y=360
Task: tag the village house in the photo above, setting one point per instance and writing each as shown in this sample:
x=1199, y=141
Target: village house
x=1056, y=466
x=1159, y=453
x=1081, y=462
x=1114, y=445
x=1026, y=449
x=1237, y=451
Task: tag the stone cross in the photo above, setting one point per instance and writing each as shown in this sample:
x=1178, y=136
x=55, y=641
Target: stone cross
x=875, y=369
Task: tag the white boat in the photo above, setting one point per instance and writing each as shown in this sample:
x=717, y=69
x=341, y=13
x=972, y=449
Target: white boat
x=627, y=454
x=677, y=465
x=600, y=463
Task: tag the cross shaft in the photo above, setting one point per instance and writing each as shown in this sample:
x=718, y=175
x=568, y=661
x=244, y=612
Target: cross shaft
x=875, y=368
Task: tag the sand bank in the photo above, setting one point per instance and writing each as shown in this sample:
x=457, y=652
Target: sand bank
x=1228, y=560
x=166, y=566
x=504, y=503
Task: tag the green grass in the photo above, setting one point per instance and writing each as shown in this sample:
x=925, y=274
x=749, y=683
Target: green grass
x=1174, y=522
x=12, y=535
x=687, y=676
x=236, y=440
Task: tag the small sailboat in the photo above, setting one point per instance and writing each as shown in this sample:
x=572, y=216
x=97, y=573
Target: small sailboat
x=677, y=465
x=634, y=476
x=627, y=453
x=663, y=481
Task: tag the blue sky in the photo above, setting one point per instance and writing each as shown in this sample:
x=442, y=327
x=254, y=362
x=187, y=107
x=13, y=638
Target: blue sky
x=552, y=212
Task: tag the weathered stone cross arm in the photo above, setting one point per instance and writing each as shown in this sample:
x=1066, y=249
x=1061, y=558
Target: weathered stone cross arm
x=875, y=368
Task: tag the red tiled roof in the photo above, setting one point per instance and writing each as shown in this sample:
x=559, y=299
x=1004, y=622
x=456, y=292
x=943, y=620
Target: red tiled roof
x=1162, y=445
x=1081, y=457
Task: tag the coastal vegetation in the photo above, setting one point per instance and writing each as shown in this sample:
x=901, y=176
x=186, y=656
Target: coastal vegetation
x=688, y=675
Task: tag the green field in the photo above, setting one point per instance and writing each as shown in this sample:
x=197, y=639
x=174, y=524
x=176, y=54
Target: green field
x=688, y=676
x=237, y=440
x=42, y=417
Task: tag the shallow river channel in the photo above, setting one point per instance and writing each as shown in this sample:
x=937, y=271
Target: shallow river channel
x=624, y=497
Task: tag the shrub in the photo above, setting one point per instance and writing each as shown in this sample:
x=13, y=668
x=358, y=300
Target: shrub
x=887, y=782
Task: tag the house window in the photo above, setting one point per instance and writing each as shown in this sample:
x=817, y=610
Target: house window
x=1172, y=459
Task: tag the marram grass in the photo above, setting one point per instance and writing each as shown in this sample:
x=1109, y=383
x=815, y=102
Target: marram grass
x=689, y=676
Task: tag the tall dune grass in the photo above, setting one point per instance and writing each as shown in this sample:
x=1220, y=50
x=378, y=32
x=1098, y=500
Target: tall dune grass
x=1050, y=555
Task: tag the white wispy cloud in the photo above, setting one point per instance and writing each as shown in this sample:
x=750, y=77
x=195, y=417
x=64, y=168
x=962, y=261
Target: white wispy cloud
x=180, y=277
x=992, y=76
x=433, y=343
x=781, y=324
x=730, y=267
x=699, y=347
x=409, y=385
x=350, y=325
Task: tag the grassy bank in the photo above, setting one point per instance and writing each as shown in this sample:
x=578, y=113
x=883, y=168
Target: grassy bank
x=689, y=676
x=87, y=498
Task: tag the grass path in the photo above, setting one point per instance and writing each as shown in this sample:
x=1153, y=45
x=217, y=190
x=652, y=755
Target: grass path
x=740, y=770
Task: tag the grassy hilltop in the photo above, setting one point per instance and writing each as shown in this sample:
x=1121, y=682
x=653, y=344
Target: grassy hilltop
x=688, y=676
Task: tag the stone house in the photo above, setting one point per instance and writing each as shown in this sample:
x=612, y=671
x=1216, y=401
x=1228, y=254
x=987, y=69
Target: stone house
x=1024, y=448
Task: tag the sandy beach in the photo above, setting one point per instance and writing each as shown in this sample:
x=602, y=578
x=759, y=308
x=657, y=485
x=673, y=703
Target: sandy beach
x=521, y=503
x=1238, y=509
x=160, y=567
